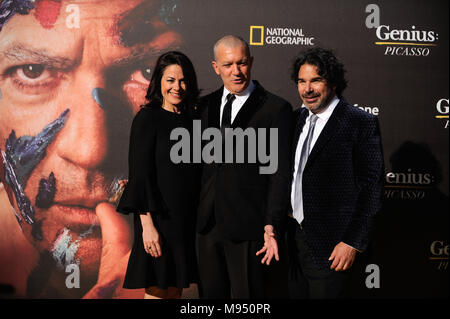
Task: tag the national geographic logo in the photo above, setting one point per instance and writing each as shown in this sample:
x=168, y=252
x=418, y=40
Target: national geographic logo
x=407, y=185
x=261, y=35
x=409, y=41
x=442, y=108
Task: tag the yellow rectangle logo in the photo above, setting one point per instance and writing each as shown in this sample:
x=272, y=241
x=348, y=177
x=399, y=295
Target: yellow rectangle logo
x=257, y=30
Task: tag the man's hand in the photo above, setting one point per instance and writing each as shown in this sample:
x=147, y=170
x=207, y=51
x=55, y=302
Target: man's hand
x=270, y=246
x=343, y=257
x=116, y=246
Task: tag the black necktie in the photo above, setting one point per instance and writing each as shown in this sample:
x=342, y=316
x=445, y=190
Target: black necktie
x=226, y=115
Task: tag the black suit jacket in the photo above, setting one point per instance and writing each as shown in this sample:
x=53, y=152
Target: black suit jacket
x=241, y=199
x=342, y=181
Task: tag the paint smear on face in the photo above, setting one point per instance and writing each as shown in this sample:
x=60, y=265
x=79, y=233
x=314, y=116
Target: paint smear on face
x=36, y=230
x=46, y=192
x=102, y=98
x=26, y=152
x=24, y=204
x=64, y=248
x=115, y=191
x=8, y=8
x=47, y=12
x=21, y=157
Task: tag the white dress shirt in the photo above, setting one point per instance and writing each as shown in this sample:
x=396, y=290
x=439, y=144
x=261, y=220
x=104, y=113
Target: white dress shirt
x=320, y=124
x=238, y=102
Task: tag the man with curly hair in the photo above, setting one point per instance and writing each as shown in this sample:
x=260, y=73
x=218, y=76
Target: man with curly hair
x=337, y=179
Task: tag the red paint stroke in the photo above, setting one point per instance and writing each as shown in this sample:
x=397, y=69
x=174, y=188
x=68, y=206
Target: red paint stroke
x=47, y=12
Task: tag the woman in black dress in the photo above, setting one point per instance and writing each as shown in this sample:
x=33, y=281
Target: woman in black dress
x=162, y=194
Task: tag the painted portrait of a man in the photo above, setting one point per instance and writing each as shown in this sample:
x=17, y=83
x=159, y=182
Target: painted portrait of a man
x=72, y=76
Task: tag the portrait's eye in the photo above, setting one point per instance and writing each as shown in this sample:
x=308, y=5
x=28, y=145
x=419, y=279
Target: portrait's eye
x=31, y=74
x=135, y=81
x=33, y=79
x=146, y=73
x=142, y=75
x=32, y=71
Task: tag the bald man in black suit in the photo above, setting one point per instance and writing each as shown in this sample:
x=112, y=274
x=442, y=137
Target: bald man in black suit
x=242, y=210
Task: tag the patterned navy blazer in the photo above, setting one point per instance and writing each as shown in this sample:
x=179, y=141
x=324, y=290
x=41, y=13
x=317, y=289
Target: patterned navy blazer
x=342, y=181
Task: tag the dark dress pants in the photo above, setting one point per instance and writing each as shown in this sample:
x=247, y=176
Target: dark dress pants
x=306, y=281
x=229, y=269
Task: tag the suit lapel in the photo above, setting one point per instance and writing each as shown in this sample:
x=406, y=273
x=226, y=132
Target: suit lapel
x=328, y=131
x=214, y=109
x=254, y=101
x=300, y=120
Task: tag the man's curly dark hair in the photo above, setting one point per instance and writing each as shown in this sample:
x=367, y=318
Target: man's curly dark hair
x=328, y=66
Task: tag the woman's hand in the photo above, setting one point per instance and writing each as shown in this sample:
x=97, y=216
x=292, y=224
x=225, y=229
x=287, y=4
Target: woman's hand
x=152, y=241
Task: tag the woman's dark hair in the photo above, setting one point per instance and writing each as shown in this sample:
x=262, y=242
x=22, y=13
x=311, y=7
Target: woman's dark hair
x=154, y=95
x=327, y=64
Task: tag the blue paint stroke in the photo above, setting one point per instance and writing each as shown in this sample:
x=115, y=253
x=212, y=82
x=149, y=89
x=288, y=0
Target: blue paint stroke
x=102, y=98
x=64, y=248
x=24, y=204
x=46, y=192
x=8, y=8
x=21, y=157
x=26, y=152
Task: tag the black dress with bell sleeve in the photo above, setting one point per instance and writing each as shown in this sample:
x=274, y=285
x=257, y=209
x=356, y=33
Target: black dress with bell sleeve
x=169, y=191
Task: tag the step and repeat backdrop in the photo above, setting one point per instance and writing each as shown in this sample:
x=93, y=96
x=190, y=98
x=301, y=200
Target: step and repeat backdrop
x=73, y=74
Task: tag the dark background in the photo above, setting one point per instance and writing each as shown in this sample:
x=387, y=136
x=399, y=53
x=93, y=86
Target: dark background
x=405, y=89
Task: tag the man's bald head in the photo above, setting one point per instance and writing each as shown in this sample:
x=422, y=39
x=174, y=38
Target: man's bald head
x=232, y=61
x=231, y=41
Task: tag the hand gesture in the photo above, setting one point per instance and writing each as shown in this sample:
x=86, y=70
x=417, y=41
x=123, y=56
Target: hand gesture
x=270, y=246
